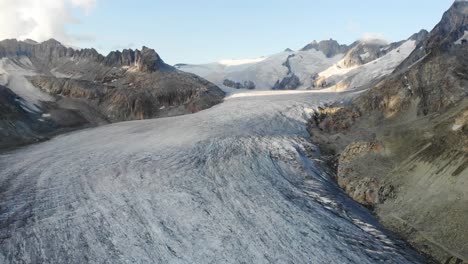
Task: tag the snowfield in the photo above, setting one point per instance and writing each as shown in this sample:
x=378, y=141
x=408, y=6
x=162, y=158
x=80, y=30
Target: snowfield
x=237, y=183
x=265, y=71
x=359, y=76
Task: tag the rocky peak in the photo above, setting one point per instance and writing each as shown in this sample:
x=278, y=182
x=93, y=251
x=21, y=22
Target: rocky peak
x=452, y=27
x=364, y=51
x=146, y=60
x=51, y=51
x=52, y=43
x=420, y=36
x=329, y=47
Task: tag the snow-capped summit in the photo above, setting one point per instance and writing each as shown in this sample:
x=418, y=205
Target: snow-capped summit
x=324, y=64
x=285, y=70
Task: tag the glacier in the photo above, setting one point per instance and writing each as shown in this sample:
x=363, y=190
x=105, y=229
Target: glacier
x=237, y=183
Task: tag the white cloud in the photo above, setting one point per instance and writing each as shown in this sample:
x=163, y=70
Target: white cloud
x=40, y=19
x=369, y=37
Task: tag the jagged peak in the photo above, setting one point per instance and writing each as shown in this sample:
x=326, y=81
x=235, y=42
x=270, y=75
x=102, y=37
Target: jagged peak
x=420, y=36
x=146, y=59
x=329, y=47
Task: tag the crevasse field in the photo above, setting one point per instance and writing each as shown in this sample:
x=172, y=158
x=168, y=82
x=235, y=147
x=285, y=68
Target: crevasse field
x=237, y=183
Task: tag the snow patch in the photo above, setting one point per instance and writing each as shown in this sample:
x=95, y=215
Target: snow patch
x=457, y=127
x=464, y=37
x=241, y=61
x=365, y=55
x=13, y=74
x=358, y=76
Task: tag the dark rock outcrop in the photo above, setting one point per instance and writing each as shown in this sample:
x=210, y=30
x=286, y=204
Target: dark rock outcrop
x=290, y=82
x=364, y=52
x=92, y=89
x=330, y=47
x=237, y=85
x=22, y=124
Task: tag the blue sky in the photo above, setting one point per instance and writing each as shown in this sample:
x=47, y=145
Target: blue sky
x=200, y=31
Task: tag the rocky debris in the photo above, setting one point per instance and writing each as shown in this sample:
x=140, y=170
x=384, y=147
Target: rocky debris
x=330, y=47
x=237, y=85
x=290, y=82
x=333, y=119
x=354, y=162
x=406, y=167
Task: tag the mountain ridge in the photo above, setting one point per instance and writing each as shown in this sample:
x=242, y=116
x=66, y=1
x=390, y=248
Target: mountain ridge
x=401, y=145
x=59, y=82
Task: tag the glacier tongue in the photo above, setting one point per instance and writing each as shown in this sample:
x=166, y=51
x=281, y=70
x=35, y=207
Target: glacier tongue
x=238, y=183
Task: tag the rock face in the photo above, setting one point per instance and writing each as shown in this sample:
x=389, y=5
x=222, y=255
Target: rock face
x=125, y=85
x=354, y=162
x=146, y=60
x=329, y=47
x=237, y=85
x=290, y=82
x=364, y=52
x=402, y=145
x=21, y=123
x=14, y=119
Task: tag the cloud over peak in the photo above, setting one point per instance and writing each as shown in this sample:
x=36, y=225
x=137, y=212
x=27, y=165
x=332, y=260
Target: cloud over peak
x=40, y=19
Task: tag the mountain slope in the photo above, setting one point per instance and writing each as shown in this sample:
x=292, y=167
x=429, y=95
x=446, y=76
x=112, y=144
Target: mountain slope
x=52, y=80
x=403, y=144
